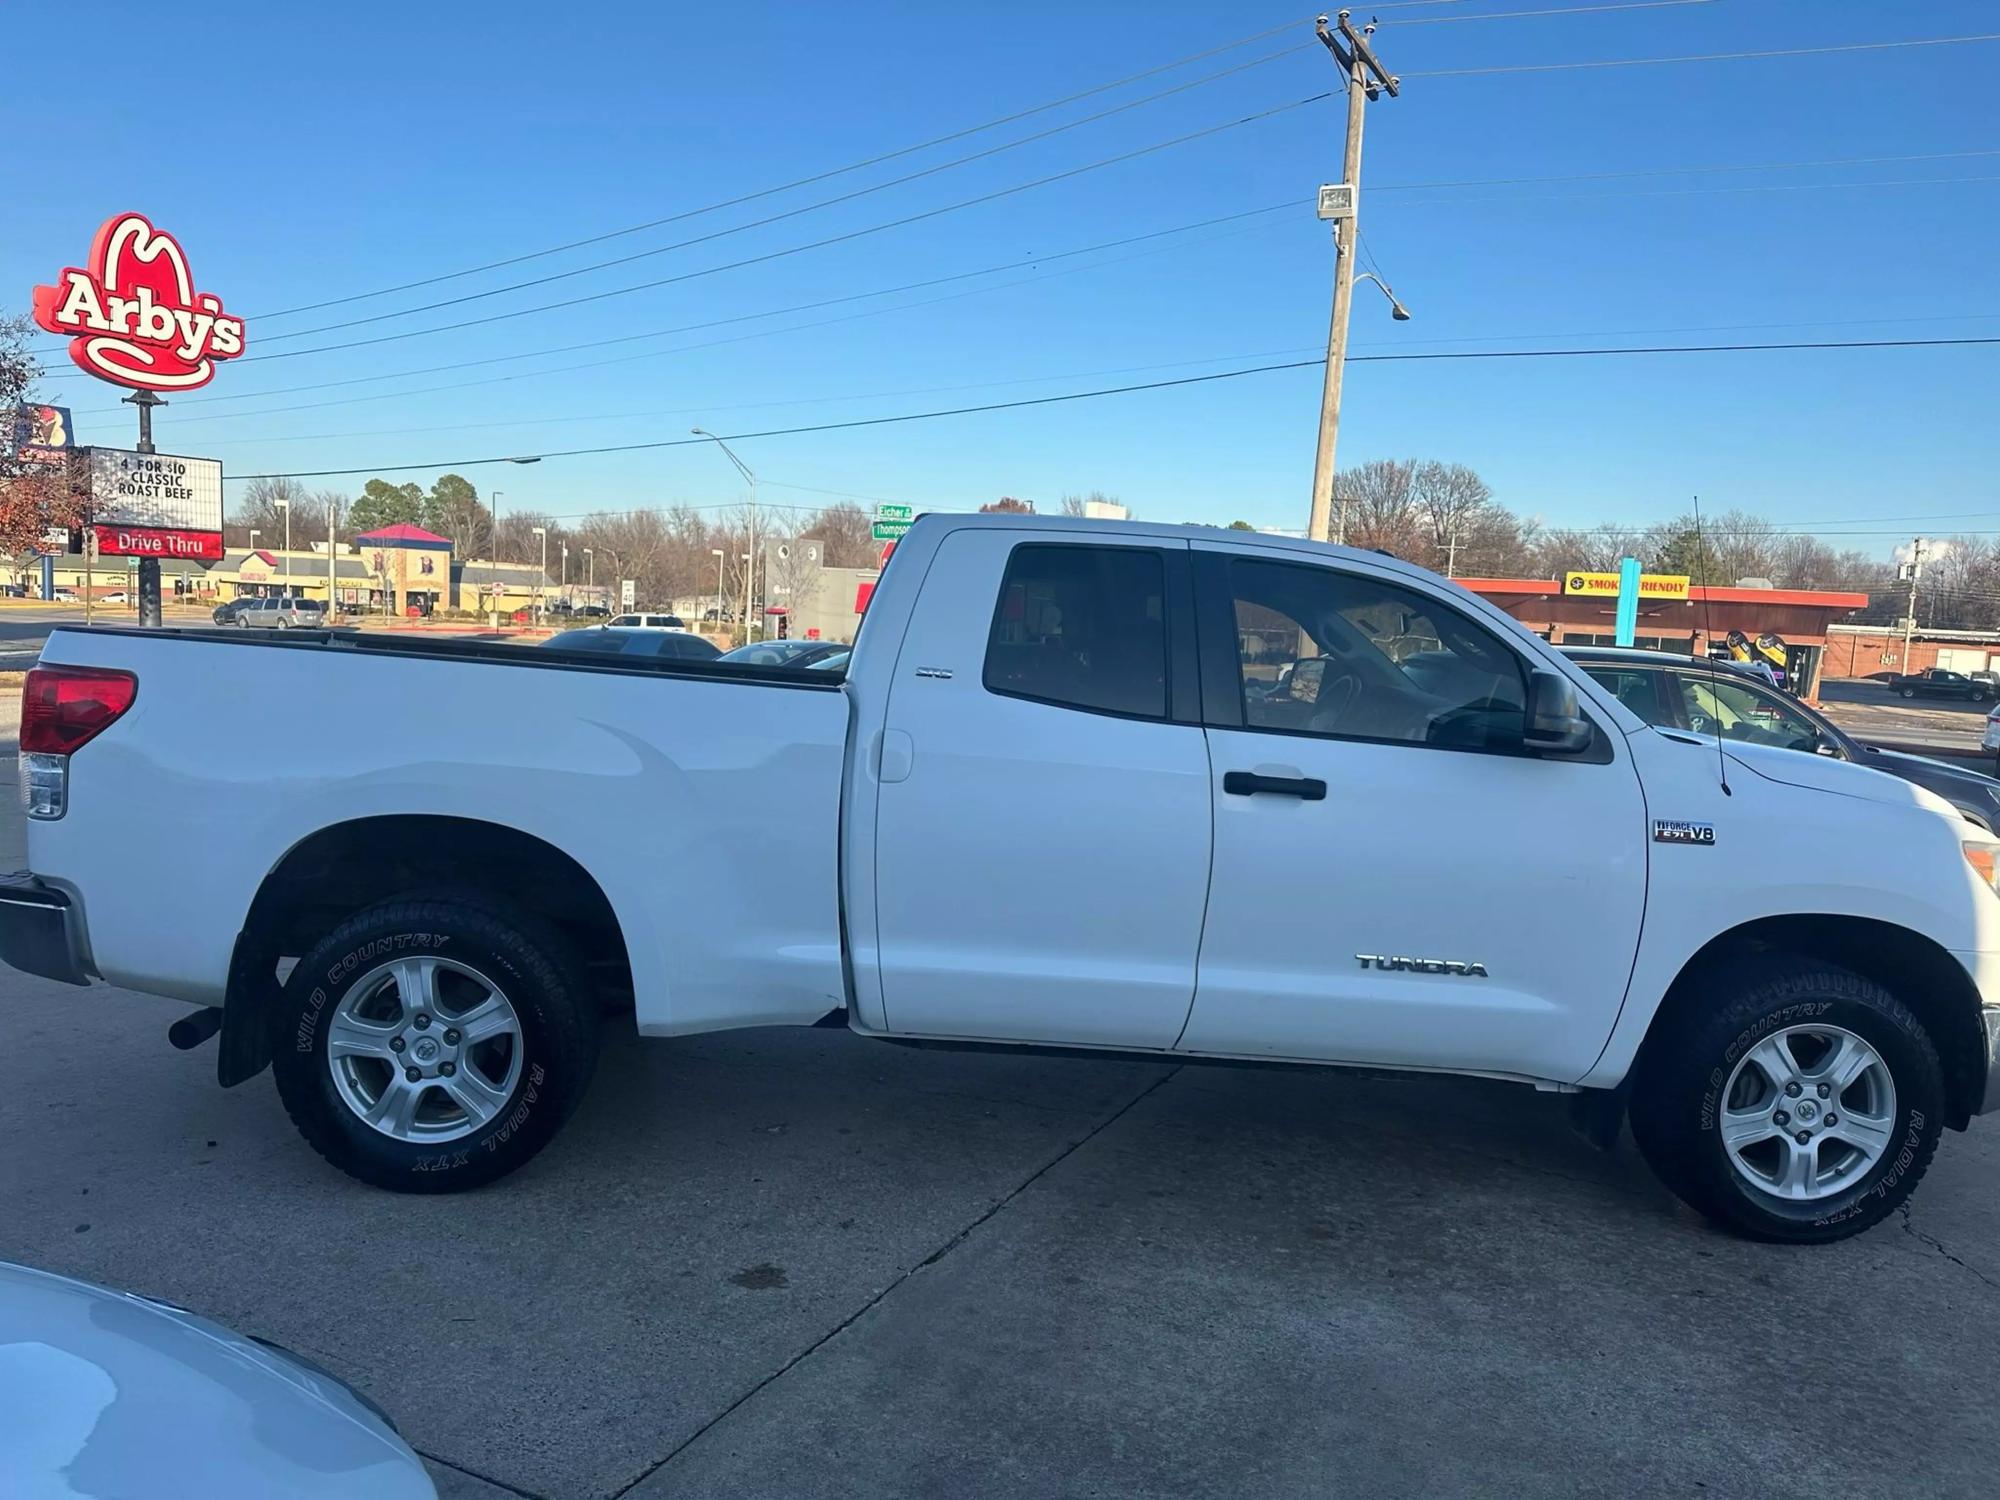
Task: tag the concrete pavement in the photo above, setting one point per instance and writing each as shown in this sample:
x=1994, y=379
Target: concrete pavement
x=798, y=1263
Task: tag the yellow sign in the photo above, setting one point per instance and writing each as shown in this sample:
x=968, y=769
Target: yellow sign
x=1605, y=585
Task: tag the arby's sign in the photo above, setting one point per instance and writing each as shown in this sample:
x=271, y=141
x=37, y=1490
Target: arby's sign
x=133, y=315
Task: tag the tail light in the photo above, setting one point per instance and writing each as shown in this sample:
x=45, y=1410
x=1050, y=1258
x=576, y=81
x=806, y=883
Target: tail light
x=62, y=710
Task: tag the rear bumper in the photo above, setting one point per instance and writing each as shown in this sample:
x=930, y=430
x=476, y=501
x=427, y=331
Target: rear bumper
x=41, y=931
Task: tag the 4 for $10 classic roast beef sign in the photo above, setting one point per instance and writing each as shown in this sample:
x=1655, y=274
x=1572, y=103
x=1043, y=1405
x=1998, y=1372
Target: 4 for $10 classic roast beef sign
x=133, y=314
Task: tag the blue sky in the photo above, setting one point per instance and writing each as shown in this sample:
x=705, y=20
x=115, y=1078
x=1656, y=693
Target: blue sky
x=337, y=150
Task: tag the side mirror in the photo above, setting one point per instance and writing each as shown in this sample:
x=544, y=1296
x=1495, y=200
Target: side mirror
x=1556, y=726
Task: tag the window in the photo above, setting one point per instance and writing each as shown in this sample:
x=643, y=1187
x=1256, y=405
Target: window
x=1082, y=626
x=1737, y=711
x=1324, y=652
x=1634, y=687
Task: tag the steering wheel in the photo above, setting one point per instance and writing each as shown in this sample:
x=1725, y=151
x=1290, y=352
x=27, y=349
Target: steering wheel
x=1336, y=697
x=1701, y=723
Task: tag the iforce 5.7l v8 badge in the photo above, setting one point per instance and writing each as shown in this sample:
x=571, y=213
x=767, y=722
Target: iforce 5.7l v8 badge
x=1674, y=831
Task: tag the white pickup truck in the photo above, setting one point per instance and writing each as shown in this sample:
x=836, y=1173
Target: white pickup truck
x=1144, y=790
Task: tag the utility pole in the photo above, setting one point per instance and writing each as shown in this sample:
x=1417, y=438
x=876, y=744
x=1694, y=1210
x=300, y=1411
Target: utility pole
x=1451, y=554
x=1366, y=80
x=1916, y=566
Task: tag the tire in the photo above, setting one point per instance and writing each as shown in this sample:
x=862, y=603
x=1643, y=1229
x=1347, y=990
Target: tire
x=1909, y=692
x=283, y=623
x=537, y=1073
x=1706, y=1065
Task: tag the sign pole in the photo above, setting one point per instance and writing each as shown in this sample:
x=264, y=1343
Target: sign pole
x=149, y=567
x=1627, y=618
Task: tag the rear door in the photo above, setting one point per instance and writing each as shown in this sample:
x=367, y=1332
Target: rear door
x=1396, y=880
x=1043, y=824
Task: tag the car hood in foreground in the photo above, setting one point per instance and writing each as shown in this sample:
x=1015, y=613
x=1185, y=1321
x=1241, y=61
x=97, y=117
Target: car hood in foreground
x=110, y=1394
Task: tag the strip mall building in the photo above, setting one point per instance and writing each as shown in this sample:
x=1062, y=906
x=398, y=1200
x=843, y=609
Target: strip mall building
x=1803, y=617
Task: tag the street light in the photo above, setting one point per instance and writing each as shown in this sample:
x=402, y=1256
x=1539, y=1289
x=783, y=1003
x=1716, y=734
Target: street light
x=254, y=534
x=590, y=577
x=750, y=479
x=717, y=552
x=1396, y=309
x=542, y=583
x=286, y=588
x=493, y=562
x=746, y=597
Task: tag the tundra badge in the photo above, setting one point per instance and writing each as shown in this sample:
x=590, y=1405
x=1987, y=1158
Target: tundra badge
x=1422, y=965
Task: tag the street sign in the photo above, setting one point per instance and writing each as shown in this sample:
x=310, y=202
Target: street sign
x=886, y=512
x=891, y=531
x=155, y=504
x=1336, y=200
x=628, y=592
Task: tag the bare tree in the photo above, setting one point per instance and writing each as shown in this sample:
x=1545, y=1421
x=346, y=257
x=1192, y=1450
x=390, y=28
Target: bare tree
x=34, y=497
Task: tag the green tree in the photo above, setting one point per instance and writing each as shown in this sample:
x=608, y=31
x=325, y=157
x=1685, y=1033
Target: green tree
x=385, y=504
x=452, y=509
x=1241, y=526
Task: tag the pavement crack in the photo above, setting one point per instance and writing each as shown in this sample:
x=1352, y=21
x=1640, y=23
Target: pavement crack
x=875, y=1301
x=498, y=1484
x=1910, y=1228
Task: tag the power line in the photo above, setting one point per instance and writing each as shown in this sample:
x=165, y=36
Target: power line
x=1110, y=244
x=704, y=344
x=1152, y=385
x=790, y=213
x=1760, y=166
x=1526, y=15
x=1014, y=265
x=799, y=182
x=932, y=390
x=852, y=234
x=1643, y=62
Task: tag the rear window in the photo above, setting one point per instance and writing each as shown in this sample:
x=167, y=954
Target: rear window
x=1083, y=627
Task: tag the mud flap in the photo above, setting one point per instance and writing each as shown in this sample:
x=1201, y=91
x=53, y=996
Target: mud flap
x=247, y=1008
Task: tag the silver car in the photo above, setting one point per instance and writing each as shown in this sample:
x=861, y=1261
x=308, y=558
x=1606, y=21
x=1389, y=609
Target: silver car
x=107, y=1393
x=282, y=612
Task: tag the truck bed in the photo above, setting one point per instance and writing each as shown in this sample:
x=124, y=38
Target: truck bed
x=703, y=799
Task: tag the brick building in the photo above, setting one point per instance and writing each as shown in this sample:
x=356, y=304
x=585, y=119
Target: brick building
x=1803, y=617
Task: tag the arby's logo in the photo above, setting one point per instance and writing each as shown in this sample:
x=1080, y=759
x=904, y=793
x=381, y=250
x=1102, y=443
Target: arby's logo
x=134, y=315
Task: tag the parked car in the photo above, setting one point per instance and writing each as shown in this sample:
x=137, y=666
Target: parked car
x=619, y=641
x=1721, y=698
x=65, y=596
x=283, y=612
x=111, y=1393
x=647, y=622
x=1038, y=810
x=591, y=612
x=1936, y=682
x=116, y=596
x=782, y=653
x=226, y=612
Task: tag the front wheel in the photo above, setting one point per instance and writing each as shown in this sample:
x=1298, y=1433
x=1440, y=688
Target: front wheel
x=1802, y=1105
x=1909, y=692
x=431, y=1046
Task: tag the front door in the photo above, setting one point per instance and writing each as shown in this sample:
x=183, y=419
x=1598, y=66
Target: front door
x=1396, y=881
x=1042, y=832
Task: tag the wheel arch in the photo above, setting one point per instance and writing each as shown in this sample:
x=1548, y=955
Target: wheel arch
x=1912, y=967
x=344, y=867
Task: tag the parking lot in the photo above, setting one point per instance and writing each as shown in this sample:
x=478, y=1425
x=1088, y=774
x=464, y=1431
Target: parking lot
x=798, y=1263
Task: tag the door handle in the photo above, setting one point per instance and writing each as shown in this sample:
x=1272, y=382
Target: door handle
x=1249, y=783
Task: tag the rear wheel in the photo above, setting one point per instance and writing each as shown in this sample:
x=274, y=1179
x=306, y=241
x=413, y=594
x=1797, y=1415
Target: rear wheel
x=1803, y=1105
x=430, y=1046
x=1909, y=692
